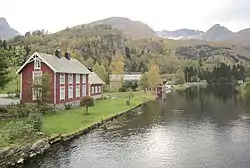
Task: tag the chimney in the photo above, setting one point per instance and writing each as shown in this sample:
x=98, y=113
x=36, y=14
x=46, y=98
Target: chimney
x=58, y=53
x=67, y=55
x=89, y=69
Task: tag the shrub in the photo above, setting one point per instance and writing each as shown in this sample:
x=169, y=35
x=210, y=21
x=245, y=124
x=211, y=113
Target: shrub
x=45, y=109
x=35, y=120
x=20, y=110
x=3, y=110
x=16, y=130
x=87, y=101
x=68, y=106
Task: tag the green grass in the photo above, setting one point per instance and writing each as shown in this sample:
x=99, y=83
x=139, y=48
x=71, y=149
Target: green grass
x=70, y=121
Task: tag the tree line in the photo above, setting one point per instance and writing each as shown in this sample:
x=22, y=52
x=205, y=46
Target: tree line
x=219, y=74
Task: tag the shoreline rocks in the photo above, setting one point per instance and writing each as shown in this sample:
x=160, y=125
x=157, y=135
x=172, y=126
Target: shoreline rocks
x=16, y=156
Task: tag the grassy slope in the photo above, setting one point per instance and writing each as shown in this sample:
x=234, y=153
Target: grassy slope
x=69, y=121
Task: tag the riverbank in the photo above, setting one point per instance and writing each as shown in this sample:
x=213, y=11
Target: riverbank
x=74, y=120
x=66, y=125
x=188, y=85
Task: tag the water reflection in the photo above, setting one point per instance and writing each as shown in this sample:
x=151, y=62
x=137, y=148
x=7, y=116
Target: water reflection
x=199, y=127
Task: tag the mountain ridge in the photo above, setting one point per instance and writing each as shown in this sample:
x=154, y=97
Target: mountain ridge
x=6, y=32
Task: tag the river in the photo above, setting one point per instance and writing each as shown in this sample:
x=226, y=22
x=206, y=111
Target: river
x=197, y=128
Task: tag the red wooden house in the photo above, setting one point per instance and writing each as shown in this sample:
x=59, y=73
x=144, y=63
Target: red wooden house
x=95, y=85
x=69, y=78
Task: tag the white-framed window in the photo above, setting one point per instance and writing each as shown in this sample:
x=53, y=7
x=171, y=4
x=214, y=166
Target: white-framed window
x=77, y=91
x=70, y=78
x=96, y=89
x=62, y=78
x=77, y=78
x=70, y=92
x=37, y=77
x=100, y=89
x=84, y=78
x=83, y=90
x=92, y=89
x=62, y=93
x=37, y=64
x=36, y=93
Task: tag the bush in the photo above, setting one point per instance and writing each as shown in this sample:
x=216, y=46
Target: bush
x=35, y=120
x=3, y=110
x=45, y=109
x=20, y=110
x=16, y=130
x=87, y=101
x=68, y=106
x=128, y=85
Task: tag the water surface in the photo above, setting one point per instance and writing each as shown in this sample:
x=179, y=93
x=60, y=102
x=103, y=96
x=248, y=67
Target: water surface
x=196, y=128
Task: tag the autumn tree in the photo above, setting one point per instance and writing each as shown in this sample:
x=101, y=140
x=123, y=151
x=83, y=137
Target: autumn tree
x=117, y=66
x=100, y=70
x=153, y=75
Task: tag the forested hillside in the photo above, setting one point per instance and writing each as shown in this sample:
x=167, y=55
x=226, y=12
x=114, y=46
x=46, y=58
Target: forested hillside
x=93, y=44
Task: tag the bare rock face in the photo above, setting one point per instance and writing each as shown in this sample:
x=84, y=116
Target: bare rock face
x=6, y=32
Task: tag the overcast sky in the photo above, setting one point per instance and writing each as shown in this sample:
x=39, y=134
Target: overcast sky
x=54, y=15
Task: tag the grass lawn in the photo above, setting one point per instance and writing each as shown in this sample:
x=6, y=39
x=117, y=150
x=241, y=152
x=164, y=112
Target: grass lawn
x=69, y=121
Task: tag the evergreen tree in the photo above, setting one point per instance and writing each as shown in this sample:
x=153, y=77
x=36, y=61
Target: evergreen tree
x=4, y=72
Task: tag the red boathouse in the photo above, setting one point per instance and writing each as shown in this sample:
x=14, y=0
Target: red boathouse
x=68, y=77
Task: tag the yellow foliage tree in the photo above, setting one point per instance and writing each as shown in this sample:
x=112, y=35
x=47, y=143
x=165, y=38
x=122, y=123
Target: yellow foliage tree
x=117, y=65
x=153, y=75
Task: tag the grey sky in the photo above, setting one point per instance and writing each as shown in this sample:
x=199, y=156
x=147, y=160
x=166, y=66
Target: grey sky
x=54, y=15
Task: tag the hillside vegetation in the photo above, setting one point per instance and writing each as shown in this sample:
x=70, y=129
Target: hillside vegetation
x=91, y=43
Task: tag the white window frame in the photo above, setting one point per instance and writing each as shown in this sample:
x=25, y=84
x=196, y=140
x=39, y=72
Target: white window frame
x=77, y=91
x=37, y=64
x=70, y=78
x=35, y=94
x=62, y=78
x=84, y=78
x=62, y=92
x=77, y=78
x=70, y=92
x=84, y=90
x=100, y=89
x=96, y=89
x=37, y=74
x=92, y=89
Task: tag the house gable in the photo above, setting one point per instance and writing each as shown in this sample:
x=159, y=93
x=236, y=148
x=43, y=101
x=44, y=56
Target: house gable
x=31, y=59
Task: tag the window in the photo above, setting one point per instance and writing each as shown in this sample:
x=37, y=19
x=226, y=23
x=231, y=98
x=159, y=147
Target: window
x=62, y=78
x=100, y=89
x=83, y=78
x=37, y=77
x=37, y=64
x=83, y=90
x=77, y=91
x=36, y=93
x=70, y=78
x=92, y=89
x=70, y=92
x=77, y=78
x=62, y=93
